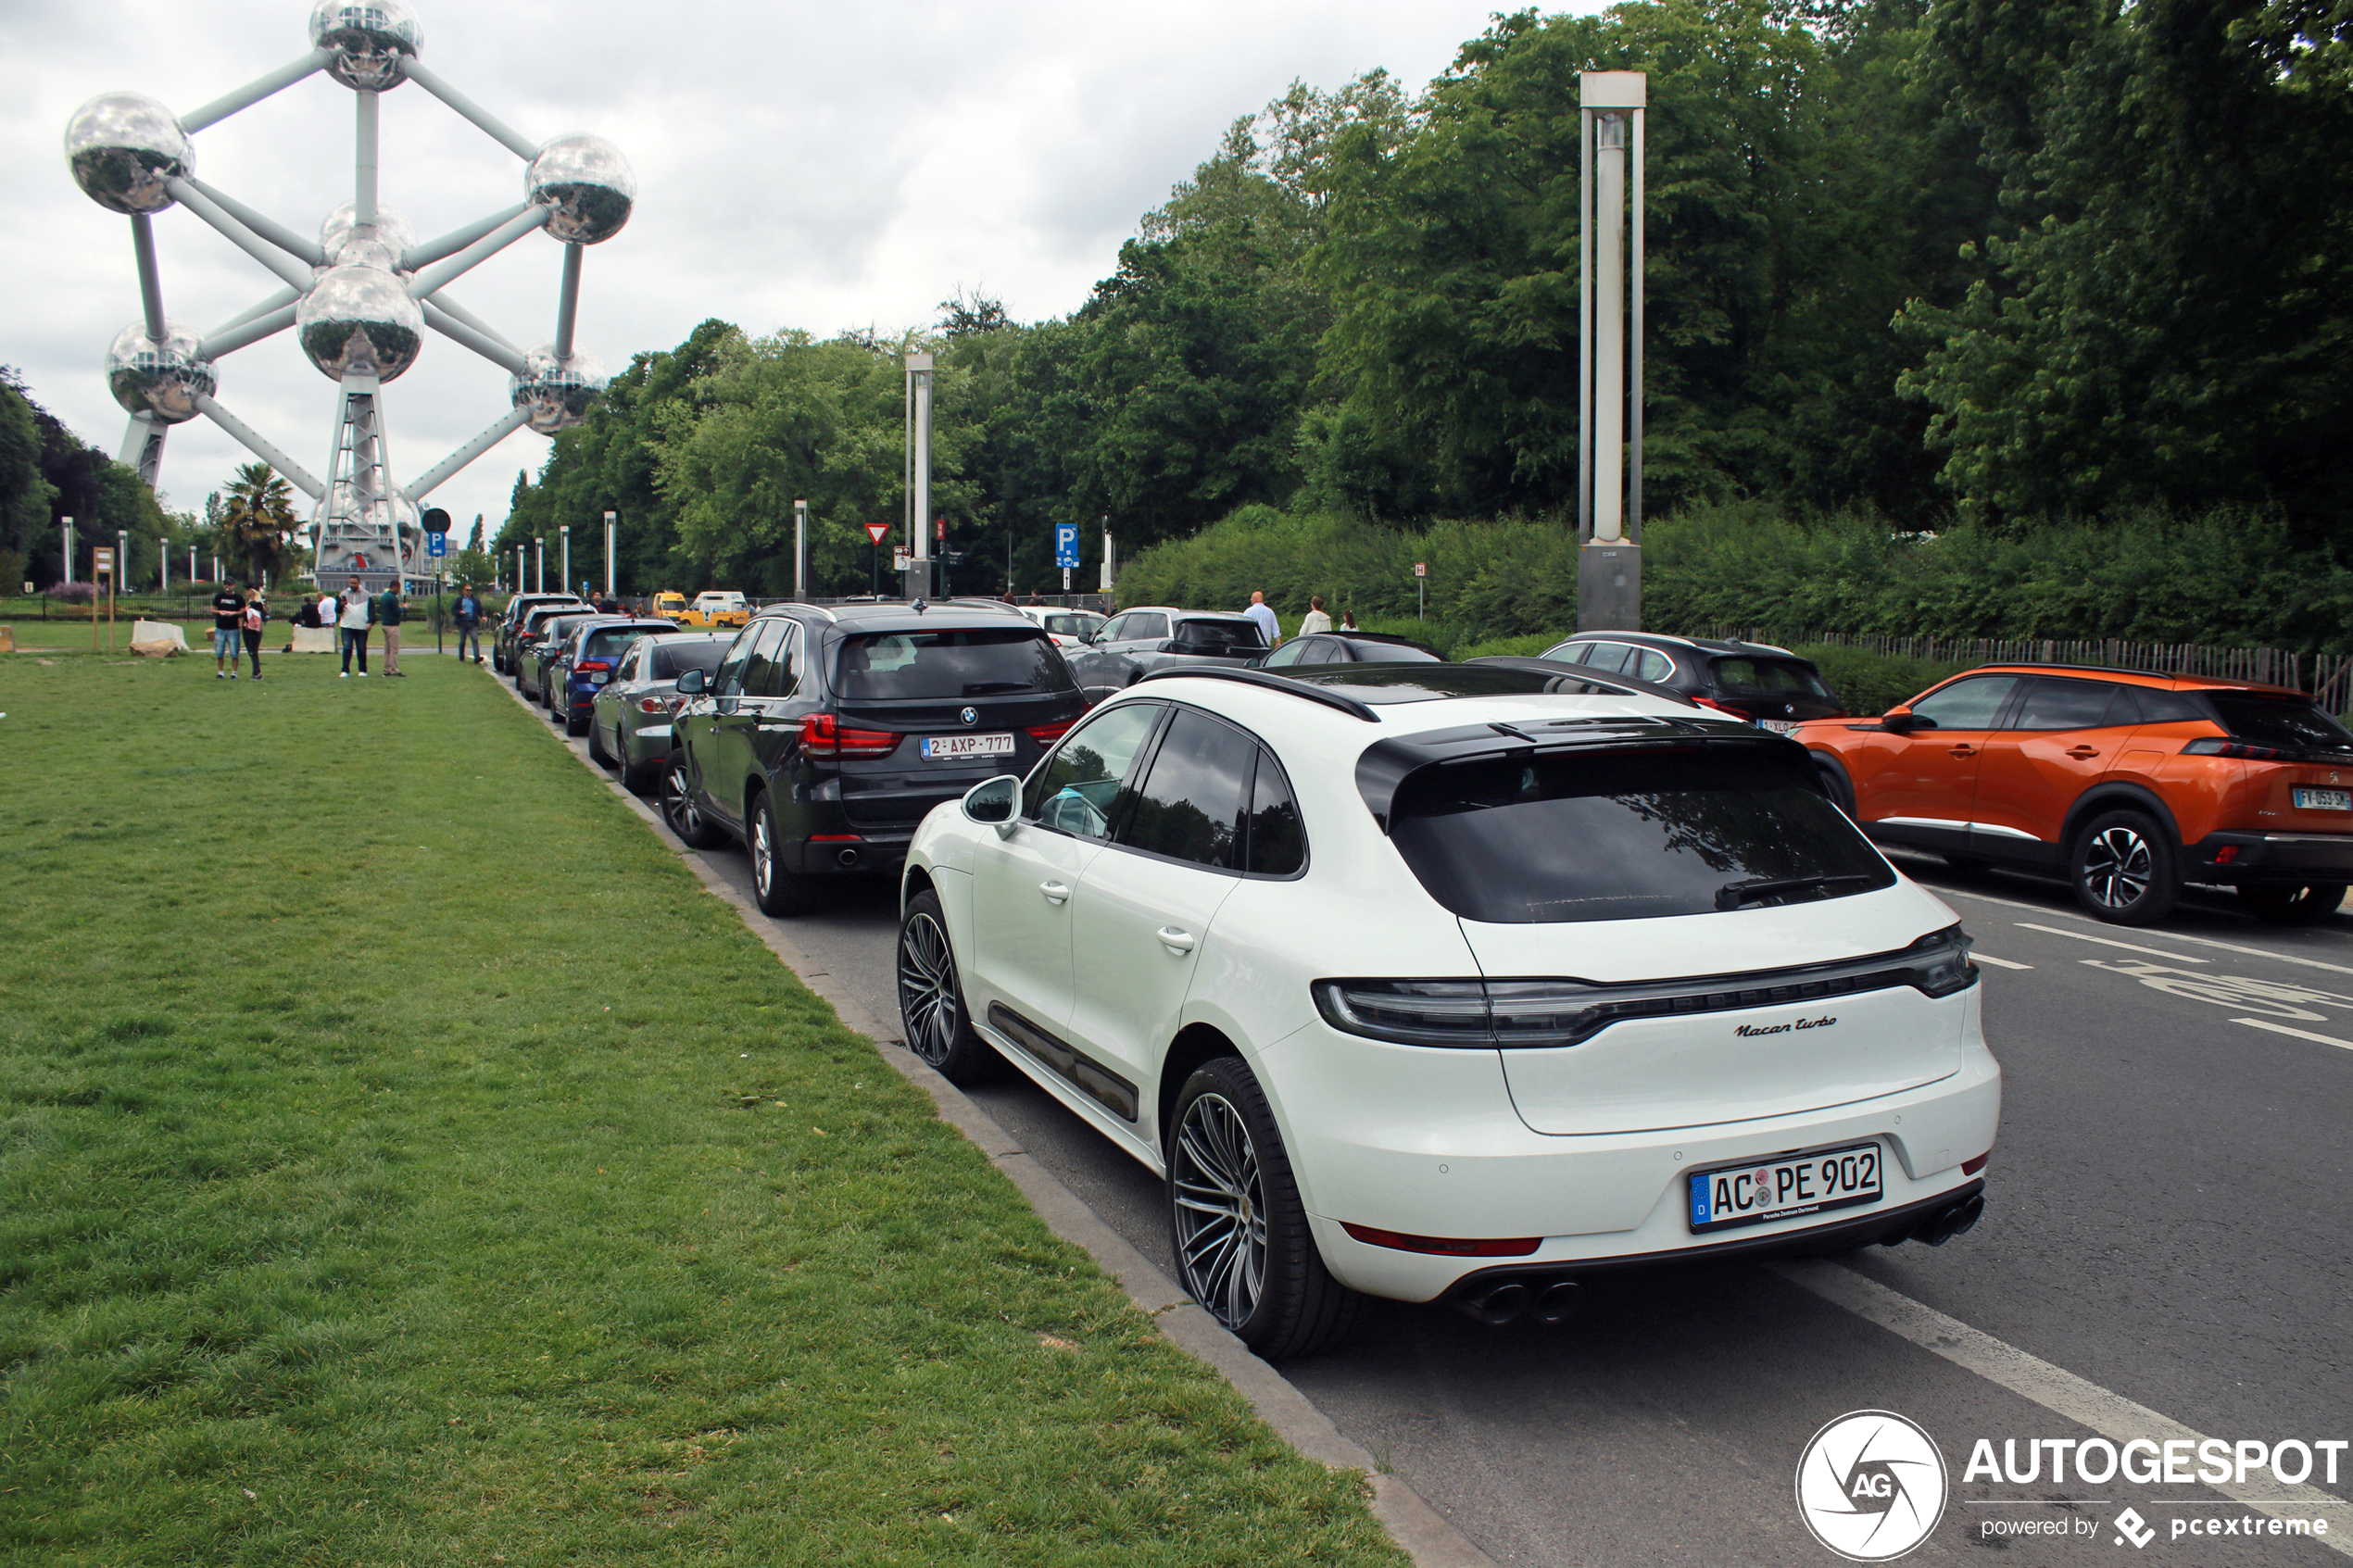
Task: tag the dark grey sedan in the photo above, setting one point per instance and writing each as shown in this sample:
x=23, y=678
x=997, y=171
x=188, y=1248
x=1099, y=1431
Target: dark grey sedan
x=629, y=722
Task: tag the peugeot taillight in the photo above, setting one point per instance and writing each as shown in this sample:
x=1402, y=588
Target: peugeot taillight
x=824, y=736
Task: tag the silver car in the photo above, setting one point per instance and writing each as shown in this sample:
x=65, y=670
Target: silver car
x=629, y=721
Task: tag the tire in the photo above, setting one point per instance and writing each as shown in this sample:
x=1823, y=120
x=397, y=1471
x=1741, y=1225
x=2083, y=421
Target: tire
x=778, y=891
x=1835, y=784
x=2123, y=870
x=596, y=752
x=2289, y=903
x=577, y=726
x=931, y=998
x=1239, y=1231
x=678, y=808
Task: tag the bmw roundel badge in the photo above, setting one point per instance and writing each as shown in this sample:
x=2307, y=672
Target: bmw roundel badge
x=970, y=715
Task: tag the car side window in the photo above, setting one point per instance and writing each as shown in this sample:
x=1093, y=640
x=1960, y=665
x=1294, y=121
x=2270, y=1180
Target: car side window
x=1971, y=704
x=1607, y=658
x=1293, y=652
x=1649, y=664
x=729, y=682
x=1074, y=790
x=782, y=677
x=1145, y=627
x=1193, y=804
x=1277, y=839
x=1114, y=630
x=758, y=672
x=2072, y=705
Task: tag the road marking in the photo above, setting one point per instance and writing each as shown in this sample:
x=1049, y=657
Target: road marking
x=2299, y=1033
x=2055, y=1389
x=2169, y=936
x=1999, y=963
x=2110, y=942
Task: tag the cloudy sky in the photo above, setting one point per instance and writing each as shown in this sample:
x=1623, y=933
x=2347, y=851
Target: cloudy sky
x=822, y=166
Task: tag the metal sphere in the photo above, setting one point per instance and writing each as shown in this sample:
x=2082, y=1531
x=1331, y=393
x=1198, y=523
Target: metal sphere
x=370, y=38
x=159, y=380
x=349, y=242
x=588, y=183
x=360, y=320
x=123, y=146
x=558, y=391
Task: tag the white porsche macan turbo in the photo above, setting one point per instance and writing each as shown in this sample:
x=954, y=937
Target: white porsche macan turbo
x=1464, y=981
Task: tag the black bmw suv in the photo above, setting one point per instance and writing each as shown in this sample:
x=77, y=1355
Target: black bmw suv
x=1769, y=686
x=827, y=734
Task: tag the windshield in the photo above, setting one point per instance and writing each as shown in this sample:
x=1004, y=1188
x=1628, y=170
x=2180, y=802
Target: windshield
x=1777, y=677
x=611, y=642
x=1220, y=634
x=673, y=658
x=2279, y=721
x=951, y=664
x=1072, y=625
x=1628, y=834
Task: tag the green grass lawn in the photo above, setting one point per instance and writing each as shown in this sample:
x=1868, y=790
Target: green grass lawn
x=403, y=1160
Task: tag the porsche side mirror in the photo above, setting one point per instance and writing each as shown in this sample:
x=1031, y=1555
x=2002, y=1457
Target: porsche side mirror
x=992, y=801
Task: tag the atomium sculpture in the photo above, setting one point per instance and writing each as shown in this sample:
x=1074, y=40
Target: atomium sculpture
x=359, y=297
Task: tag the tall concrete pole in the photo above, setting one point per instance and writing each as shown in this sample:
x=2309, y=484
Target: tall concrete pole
x=919, y=369
x=1609, y=329
x=801, y=550
x=1609, y=574
x=613, y=521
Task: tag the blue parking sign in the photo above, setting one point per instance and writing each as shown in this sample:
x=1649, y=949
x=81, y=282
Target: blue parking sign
x=436, y=544
x=1066, y=544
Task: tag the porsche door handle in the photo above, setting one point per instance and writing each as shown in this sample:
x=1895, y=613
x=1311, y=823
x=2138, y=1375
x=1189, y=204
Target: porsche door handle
x=1175, y=941
x=1055, y=892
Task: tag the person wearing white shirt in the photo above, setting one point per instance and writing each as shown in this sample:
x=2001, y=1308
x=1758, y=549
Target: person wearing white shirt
x=1315, y=619
x=1264, y=614
x=357, y=616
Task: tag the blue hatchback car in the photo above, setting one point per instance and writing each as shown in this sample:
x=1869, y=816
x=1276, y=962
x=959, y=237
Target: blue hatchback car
x=586, y=661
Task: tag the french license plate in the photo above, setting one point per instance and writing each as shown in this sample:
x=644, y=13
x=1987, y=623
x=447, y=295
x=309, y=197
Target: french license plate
x=1784, y=1187
x=944, y=748
x=1779, y=726
x=2324, y=800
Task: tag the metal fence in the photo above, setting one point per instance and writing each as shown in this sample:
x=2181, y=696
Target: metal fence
x=2327, y=676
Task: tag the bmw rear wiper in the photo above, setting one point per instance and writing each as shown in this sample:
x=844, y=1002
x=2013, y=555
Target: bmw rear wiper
x=984, y=688
x=1732, y=895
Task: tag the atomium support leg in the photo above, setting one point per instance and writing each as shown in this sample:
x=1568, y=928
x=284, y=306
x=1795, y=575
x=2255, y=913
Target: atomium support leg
x=247, y=334
x=461, y=314
x=363, y=162
x=294, y=274
x=143, y=245
x=514, y=420
x=500, y=354
x=434, y=278
x=270, y=228
x=276, y=302
x=450, y=243
x=142, y=448
x=568, y=302
x=489, y=123
x=252, y=441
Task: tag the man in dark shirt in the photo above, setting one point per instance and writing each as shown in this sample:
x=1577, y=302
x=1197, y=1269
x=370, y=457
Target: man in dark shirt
x=389, y=605
x=228, y=630
x=467, y=615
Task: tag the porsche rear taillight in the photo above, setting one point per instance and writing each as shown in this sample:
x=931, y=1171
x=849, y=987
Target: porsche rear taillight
x=824, y=736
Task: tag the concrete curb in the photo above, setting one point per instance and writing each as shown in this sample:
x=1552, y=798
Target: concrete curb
x=1418, y=1529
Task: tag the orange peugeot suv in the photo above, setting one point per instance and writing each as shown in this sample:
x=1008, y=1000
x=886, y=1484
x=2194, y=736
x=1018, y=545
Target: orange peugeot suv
x=2128, y=783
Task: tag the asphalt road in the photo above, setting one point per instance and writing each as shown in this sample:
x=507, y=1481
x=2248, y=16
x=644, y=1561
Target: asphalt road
x=2167, y=1222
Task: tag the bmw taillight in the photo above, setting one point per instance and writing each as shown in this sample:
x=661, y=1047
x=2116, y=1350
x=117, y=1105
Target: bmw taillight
x=1487, y=1014
x=1046, y=735
x=824, y=736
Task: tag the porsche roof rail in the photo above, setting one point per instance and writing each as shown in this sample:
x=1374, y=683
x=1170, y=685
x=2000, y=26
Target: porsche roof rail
x=1267, y=680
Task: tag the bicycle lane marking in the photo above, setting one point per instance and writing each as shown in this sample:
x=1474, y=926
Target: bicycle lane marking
x=2055, y=1389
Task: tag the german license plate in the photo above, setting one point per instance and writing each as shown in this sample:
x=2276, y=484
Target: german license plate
x=2324, y=800
x=1784, y=1187
x=944, y=748
x=1779, y=726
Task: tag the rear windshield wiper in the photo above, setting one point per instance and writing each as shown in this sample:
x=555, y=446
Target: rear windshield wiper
x=1732, y=895
x=982, y=688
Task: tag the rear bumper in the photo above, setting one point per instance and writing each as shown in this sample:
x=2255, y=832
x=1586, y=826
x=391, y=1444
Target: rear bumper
x=2253, y=858
x=866, y=854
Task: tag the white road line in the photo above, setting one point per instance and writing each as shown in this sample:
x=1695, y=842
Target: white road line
x=2110, y=942
x=2299, y=1033
x=2169, y=936
x=1999, y=963
x=2055, y=1389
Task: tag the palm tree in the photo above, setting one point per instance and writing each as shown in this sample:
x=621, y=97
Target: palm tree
x=258, y=521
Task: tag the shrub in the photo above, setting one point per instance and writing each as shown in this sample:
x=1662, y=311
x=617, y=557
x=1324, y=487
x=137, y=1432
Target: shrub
x=73, y=593
x=1869, y=684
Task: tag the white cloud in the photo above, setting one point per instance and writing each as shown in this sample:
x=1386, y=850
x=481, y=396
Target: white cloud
x=817, y=166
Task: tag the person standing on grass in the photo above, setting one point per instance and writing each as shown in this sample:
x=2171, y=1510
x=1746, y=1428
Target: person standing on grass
x=1348, y=621
x=1268, y=627
x=468, y=616
x=228, y=626
x=387, y=610
x=355, y=614
x=1314, y=620
x=256, y=615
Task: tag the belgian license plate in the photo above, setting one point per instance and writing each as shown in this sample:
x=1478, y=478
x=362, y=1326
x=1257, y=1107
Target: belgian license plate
x=1779, y=726
x=1784, y=1187
x=2324, y=800
x=945, y=748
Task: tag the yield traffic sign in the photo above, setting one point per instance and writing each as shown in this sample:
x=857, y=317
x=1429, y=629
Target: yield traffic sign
x=875, y=531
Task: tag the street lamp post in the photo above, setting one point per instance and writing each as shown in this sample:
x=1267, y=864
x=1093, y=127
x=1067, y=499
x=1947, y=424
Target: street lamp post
x=919, y=371
x=612, y=520
x=1609, y=501
x=565, y=530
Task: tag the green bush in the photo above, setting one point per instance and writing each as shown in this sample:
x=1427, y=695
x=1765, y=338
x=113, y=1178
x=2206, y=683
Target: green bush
x=1870, y=684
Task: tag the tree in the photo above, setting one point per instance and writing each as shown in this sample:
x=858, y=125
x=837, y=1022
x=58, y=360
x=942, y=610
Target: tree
x=257, y=524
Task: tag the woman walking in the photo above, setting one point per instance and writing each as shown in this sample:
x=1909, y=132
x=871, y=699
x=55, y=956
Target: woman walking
x=256, y=615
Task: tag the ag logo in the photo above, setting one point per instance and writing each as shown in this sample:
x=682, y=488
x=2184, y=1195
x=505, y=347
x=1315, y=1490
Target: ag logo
x=970, y=715
x=1871, y=1486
